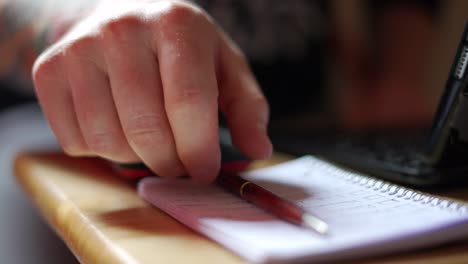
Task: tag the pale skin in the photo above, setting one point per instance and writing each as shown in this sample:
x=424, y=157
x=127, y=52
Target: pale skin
x=143, y=81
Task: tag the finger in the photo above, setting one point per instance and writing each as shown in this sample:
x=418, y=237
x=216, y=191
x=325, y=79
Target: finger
x=92, y=97
x=54, y=95
x=190, y=95
x=243, y=103
x=137, y=92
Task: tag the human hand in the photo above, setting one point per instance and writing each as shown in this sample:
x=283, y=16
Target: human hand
x=143, y=81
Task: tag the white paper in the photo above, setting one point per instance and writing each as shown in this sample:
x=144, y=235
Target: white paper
x=365, y=216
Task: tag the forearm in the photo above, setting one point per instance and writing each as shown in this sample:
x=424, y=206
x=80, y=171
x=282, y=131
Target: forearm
x=27, y=27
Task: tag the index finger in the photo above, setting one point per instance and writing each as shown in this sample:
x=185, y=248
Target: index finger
x=190, y=89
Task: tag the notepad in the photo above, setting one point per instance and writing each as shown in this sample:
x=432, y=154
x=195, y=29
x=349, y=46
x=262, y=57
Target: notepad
x=366, y=216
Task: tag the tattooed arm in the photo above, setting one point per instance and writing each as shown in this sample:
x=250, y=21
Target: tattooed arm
x=27, y=27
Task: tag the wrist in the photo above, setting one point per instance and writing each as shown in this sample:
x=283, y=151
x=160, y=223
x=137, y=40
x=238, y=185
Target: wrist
x=57, y=18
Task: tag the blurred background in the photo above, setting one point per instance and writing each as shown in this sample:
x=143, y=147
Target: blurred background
x=324, y=65
x=383, y=66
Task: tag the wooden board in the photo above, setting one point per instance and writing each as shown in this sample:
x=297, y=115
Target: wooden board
x=102, y=219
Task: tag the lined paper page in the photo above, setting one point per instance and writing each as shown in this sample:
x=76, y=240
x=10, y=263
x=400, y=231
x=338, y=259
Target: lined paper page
x=365, y=216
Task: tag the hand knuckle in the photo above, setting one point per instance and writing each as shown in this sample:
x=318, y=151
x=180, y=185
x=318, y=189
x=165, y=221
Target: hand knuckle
x=144, y=130
x=122, y=28
x=238, y=53
x=180, y=13
x=181, y=17
x=260, y=101
x=102, y=143
x=45, y=67
x=82, y=46
x=186, y=96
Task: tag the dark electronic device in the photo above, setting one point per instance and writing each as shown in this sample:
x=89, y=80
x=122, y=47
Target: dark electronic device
x=441, y=159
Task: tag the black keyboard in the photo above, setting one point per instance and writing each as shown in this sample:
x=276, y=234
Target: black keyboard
x=394, y=152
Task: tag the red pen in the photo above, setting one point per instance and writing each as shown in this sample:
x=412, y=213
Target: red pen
x=233, y=161
x=270, y=202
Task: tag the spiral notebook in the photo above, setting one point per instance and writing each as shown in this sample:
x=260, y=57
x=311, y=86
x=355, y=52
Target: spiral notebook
x=366, y=216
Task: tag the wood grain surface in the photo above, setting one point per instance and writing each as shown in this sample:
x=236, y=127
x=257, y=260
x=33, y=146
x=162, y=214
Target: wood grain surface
x=102, y=219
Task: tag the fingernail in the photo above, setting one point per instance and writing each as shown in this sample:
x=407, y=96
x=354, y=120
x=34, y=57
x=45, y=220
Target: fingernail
x=264, y=142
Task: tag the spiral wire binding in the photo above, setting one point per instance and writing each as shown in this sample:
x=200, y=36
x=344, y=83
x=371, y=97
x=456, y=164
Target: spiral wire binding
x=390, y=188
x=462, y=63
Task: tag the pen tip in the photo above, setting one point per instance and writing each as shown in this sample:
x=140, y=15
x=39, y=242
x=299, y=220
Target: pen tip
x=315, y=223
